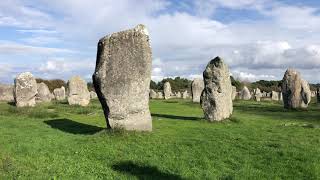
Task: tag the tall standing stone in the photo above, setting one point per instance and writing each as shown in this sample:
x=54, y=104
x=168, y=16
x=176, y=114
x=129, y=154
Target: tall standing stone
x=78, y=92
x=167, y=90
x=44, y=94
x=6, y=93
x=295, y=90
x=122, y=79
x=153, y=94
x=216, y=100
x=245, y=93
x=274, y=96
x=60, y=93
x=234, y=93
x=185, y=94
x=160, y=95
x=257, y=94
x=25, y=90
x=197, y=87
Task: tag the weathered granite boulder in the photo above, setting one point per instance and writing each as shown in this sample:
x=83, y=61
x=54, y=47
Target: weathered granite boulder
x=296, y=91
x=6, y=93
x=25, y=90
x=197, y=87
x=245, y=93
x=93, y=95
x=274, y=96
x=167, y=90
x=234, y=93
x=257, y=94
x=216, y=100
x=122, y=79
x=160, y=95
x=78, y=93
x=59, y=93
x=185, y=94
x=153, y=94
x=44, y=94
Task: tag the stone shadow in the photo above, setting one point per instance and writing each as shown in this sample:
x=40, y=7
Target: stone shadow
x=143, y=171
x=176, y=117
x=73, y=127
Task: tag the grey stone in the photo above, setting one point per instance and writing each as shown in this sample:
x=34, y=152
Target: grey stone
x=257, y=94
x=153, y=94
x=197, y=87
x=6, y=93
x=78, y=93
x=25, y=90
x=216, y=100
x=245, y=93
x=318, y=95
x=185, y=94
x=274, y=96
x=296, y=91
x=160, y=95
x=122, y=79
x=167, y=90
x=178, y=95
x=93, y=95
x=59, y=93
x=44, y=94
x=234, y=93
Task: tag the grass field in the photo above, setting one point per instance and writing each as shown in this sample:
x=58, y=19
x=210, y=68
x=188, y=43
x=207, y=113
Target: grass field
x=260, y=141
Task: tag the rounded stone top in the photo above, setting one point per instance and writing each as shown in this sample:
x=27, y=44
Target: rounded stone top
x=25, y=75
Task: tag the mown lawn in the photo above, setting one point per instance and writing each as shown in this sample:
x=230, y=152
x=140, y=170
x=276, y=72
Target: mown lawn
x=260, y=141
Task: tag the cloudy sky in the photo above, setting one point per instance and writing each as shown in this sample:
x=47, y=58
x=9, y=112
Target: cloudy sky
x=258, y=39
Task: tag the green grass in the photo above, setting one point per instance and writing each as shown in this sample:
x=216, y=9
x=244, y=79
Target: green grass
x=260, y=141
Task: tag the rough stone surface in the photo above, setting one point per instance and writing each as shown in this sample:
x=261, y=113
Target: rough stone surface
x=185, y=94
x=122, y=79
x=93, y=95
x=6, y=93
x=296, y=91
x=178, y=95
x=274, y=96
x=245, y=93
x=153, y=94
x=234, y=93
x=25, y=90
x=160, y=95
x=60, y=93
x=280, y=96
x=167, y=90
x=318, y=95
x=44, y=94
x=78, y=92
x=197, y=87
x=257, y=94
x=216, y=100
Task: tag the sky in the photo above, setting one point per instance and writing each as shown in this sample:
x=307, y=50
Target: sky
x=258, y=39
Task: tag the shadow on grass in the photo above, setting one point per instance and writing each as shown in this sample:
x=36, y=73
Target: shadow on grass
x=143, y=171
x=73, y=127
x=176, y=117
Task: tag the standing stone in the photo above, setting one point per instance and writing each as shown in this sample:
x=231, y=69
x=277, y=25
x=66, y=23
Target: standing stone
x=185, y=94
x=216, y=100
x=178, y=95
x=152, y=94
x=6, y=93
x=274, y=96
x=78, y=92
x=234, y=93
x=257, y=95
x=25, y=90
x=122, y=79
x=245, y=93
x=197, y=87
x=295, y=90
x=318, y=95
x=93, y=95
x=59, y=93
x=167, y=90
x=280, y=96
x=44, y=94
x=160, y=95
